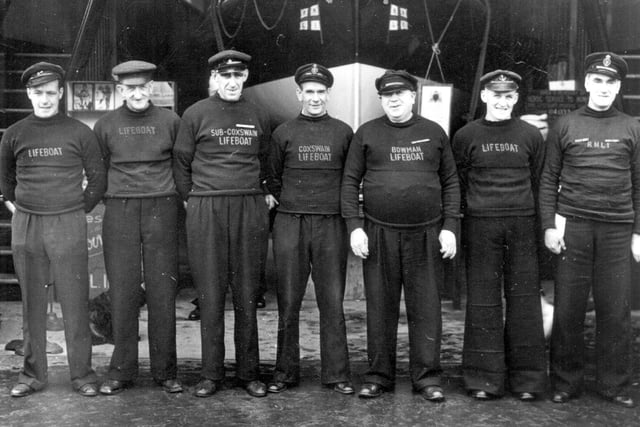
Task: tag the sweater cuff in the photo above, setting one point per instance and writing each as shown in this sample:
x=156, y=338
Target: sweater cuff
x=450, y=224
x=353, y=223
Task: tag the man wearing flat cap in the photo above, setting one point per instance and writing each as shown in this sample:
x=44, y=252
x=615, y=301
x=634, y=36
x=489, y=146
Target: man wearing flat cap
x=590, y=213
x=42, y=159
x=499, y=160
x=140, y=227
x=309, y=235
x=411, y=209
x=220, y=168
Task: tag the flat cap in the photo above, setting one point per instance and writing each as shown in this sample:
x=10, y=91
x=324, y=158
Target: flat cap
x=313, y=73
x=134, y=69
x=393, y=80
x=41, y=73
x=229, y=59
x=500, y=81
x=607, y=63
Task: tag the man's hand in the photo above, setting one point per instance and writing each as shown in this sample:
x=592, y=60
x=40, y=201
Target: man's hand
x=554, y=241
x=271, y=201
x=360, y=243
x=635, y=247
x=10, y=206
x=447, y=244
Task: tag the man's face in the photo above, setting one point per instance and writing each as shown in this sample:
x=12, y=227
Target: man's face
x=398, y=104
x=499, y=104
x=602, y=90
x=136, y=92
x=45, y=99
x=230, y=83
x=314, y=97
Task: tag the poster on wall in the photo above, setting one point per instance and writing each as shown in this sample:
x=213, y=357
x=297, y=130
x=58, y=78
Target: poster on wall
x=435, y=103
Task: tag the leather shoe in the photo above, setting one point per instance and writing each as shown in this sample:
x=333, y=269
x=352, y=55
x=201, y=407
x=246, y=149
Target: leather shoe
x=88, y=390
x=205, y=388
x=111, y=387
x=256, y=388
x=277, y=387
x=344, y=387
x=526, y=396
x=433, y=393
x=370, y=390
x=22, y=390
x=480, y=395
x=172, y=385
x=560, y=397
x=194, y=314
x=623, y=400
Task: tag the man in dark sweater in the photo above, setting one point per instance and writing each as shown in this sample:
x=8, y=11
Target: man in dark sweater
x=220, y=167
x=309, y=235
x=411, y=209
x=42, y=159
x=140, y=227
x=499, y=160
x=590, y=213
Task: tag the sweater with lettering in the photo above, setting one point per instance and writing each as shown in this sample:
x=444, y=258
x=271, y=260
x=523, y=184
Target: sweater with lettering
x=307, y=160
x=592, y=168
x=137, y=148
x=222, y=148
x=42, y=162
x=408, y=173
x=499, y=165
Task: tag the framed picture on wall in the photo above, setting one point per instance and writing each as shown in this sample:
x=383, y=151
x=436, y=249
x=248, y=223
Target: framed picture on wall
x=435, y=103
x=104, y=96
x=83, y=96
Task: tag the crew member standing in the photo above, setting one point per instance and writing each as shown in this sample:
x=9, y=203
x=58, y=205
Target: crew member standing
x=499, y=160
x=42, y=159
x=140, y=227
x=411, y=209
x=307, y=161
x=220, y=166
x=590, y=212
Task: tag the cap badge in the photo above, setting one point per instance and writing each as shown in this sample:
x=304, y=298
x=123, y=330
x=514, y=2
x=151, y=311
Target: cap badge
x=314, y=69
x=606, y=61
x=502, y=78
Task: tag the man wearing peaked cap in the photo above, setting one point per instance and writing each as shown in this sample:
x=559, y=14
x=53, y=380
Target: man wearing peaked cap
x=411, y=210
x=593, y=225
x=499, y=160
x=309, y=235
x=220, y=166
x=140, y=227
x=49, y=226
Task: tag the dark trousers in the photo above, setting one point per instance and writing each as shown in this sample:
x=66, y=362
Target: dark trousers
x=225, y=240
x=503, y=251
x=53, y=249
x=596, y=258
x=315, y=244
x=409, y=259
x=140, y=245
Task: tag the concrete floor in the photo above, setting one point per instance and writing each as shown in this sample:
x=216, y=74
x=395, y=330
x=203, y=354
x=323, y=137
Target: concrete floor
x=307, y=405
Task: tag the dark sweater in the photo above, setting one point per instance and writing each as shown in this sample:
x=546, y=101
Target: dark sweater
x=137, y=148
x=408, y=173
x=499, y=165
x=222, y=148
x=307, y=159
x=41, y=165
x=592, y=168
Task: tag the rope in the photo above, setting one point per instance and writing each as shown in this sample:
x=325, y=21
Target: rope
x=275, y=24
x=435, y=46
x=224, y=28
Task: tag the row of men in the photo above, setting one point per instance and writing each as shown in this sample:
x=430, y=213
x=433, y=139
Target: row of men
x=223, y=161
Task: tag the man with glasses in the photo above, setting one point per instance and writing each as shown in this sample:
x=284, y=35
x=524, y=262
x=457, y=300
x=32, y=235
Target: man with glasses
x=220, y=169
x=139, y=231
x=590, y=213
x=411, y=209
x=42, y=160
